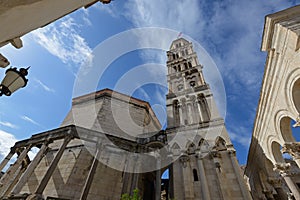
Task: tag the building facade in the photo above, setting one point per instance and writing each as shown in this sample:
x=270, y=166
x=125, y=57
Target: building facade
x=273, y=160
x=110, y=144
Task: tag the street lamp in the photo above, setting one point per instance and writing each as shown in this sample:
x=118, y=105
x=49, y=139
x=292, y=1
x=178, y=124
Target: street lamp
x=14, y=79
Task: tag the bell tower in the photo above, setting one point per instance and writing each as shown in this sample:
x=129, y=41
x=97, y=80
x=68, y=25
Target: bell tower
x=189, y=100
x=205, y=165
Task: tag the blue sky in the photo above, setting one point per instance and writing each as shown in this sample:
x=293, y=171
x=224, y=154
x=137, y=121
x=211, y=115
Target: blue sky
x=230, y=31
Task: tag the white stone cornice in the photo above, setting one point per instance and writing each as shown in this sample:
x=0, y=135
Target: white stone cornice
x=288, y=18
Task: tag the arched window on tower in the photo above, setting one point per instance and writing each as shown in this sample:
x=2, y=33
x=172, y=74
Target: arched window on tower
x=204, y=107
x=195, y=174
x=185, y=66
x=180, y=87
x=175, y=69
x=192, y=83
x=190, y=64
x=186, y=52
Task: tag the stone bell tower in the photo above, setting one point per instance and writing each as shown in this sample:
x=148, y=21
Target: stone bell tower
x=189, y=100
x=205, y=164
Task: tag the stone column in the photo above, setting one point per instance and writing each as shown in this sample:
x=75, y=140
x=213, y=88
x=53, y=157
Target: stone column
x=52, y=166
x=203, y=180
x=284, y=171
x=292, y=148
x=190, y=113
x=184, y=112
x=181, y=120
x=187, y=189
x=25, y=176
x=135, y=174
x=158, y=178
x=7, y=178
x=216, y=156
x=178, y=185
x=7, y=159
x=237, y=170
x=184, y=81
x=90, y=176
x=196, y=114
x=126, y=176
x=200, y=109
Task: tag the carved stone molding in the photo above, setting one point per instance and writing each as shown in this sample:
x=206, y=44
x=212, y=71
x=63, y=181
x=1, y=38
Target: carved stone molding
x=199, y=155
x=292, y=148
x=232, y=153
x=276, y=182
x=216, y=154
x=283, y=168
x=184, y=159
x=268, y=194
x=297, y=124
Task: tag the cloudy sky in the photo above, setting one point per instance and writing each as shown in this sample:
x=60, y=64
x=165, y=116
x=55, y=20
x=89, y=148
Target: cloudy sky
x=230, y=32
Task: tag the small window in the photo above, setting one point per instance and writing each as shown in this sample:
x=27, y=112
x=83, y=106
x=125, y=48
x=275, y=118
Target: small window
x=185, y=66
x=186, y=52
x=175, y=68
x=190, y=64
x=195, y=175
x=192, y=83
x=180, y=87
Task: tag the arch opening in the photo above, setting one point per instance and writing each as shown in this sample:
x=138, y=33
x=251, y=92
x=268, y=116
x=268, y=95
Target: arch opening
x=296, y=95
x=195, y=175
x=286, y=130
x=165, y=185
x=276, y=151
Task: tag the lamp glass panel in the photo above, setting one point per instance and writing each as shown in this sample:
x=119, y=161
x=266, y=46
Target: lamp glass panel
x=18, y=83
x=13, y=81
x=10, y=76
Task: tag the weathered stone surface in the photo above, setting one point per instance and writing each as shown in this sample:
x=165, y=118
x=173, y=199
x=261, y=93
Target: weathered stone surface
x=204, y=164
x=277, y=108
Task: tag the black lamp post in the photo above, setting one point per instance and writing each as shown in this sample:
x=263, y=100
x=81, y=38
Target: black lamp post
x=14, y=79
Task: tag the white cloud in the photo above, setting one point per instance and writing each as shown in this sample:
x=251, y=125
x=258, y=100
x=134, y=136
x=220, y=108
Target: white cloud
x=32, y=153
x=45, y=87
x=231, y=32
x=230, y=29
x=62, y=40
x=182, y=15
x=241, y=135
x=234, y=35
x=8, y=124
x=7, y=140
x=109, y=8
x=28, y=119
